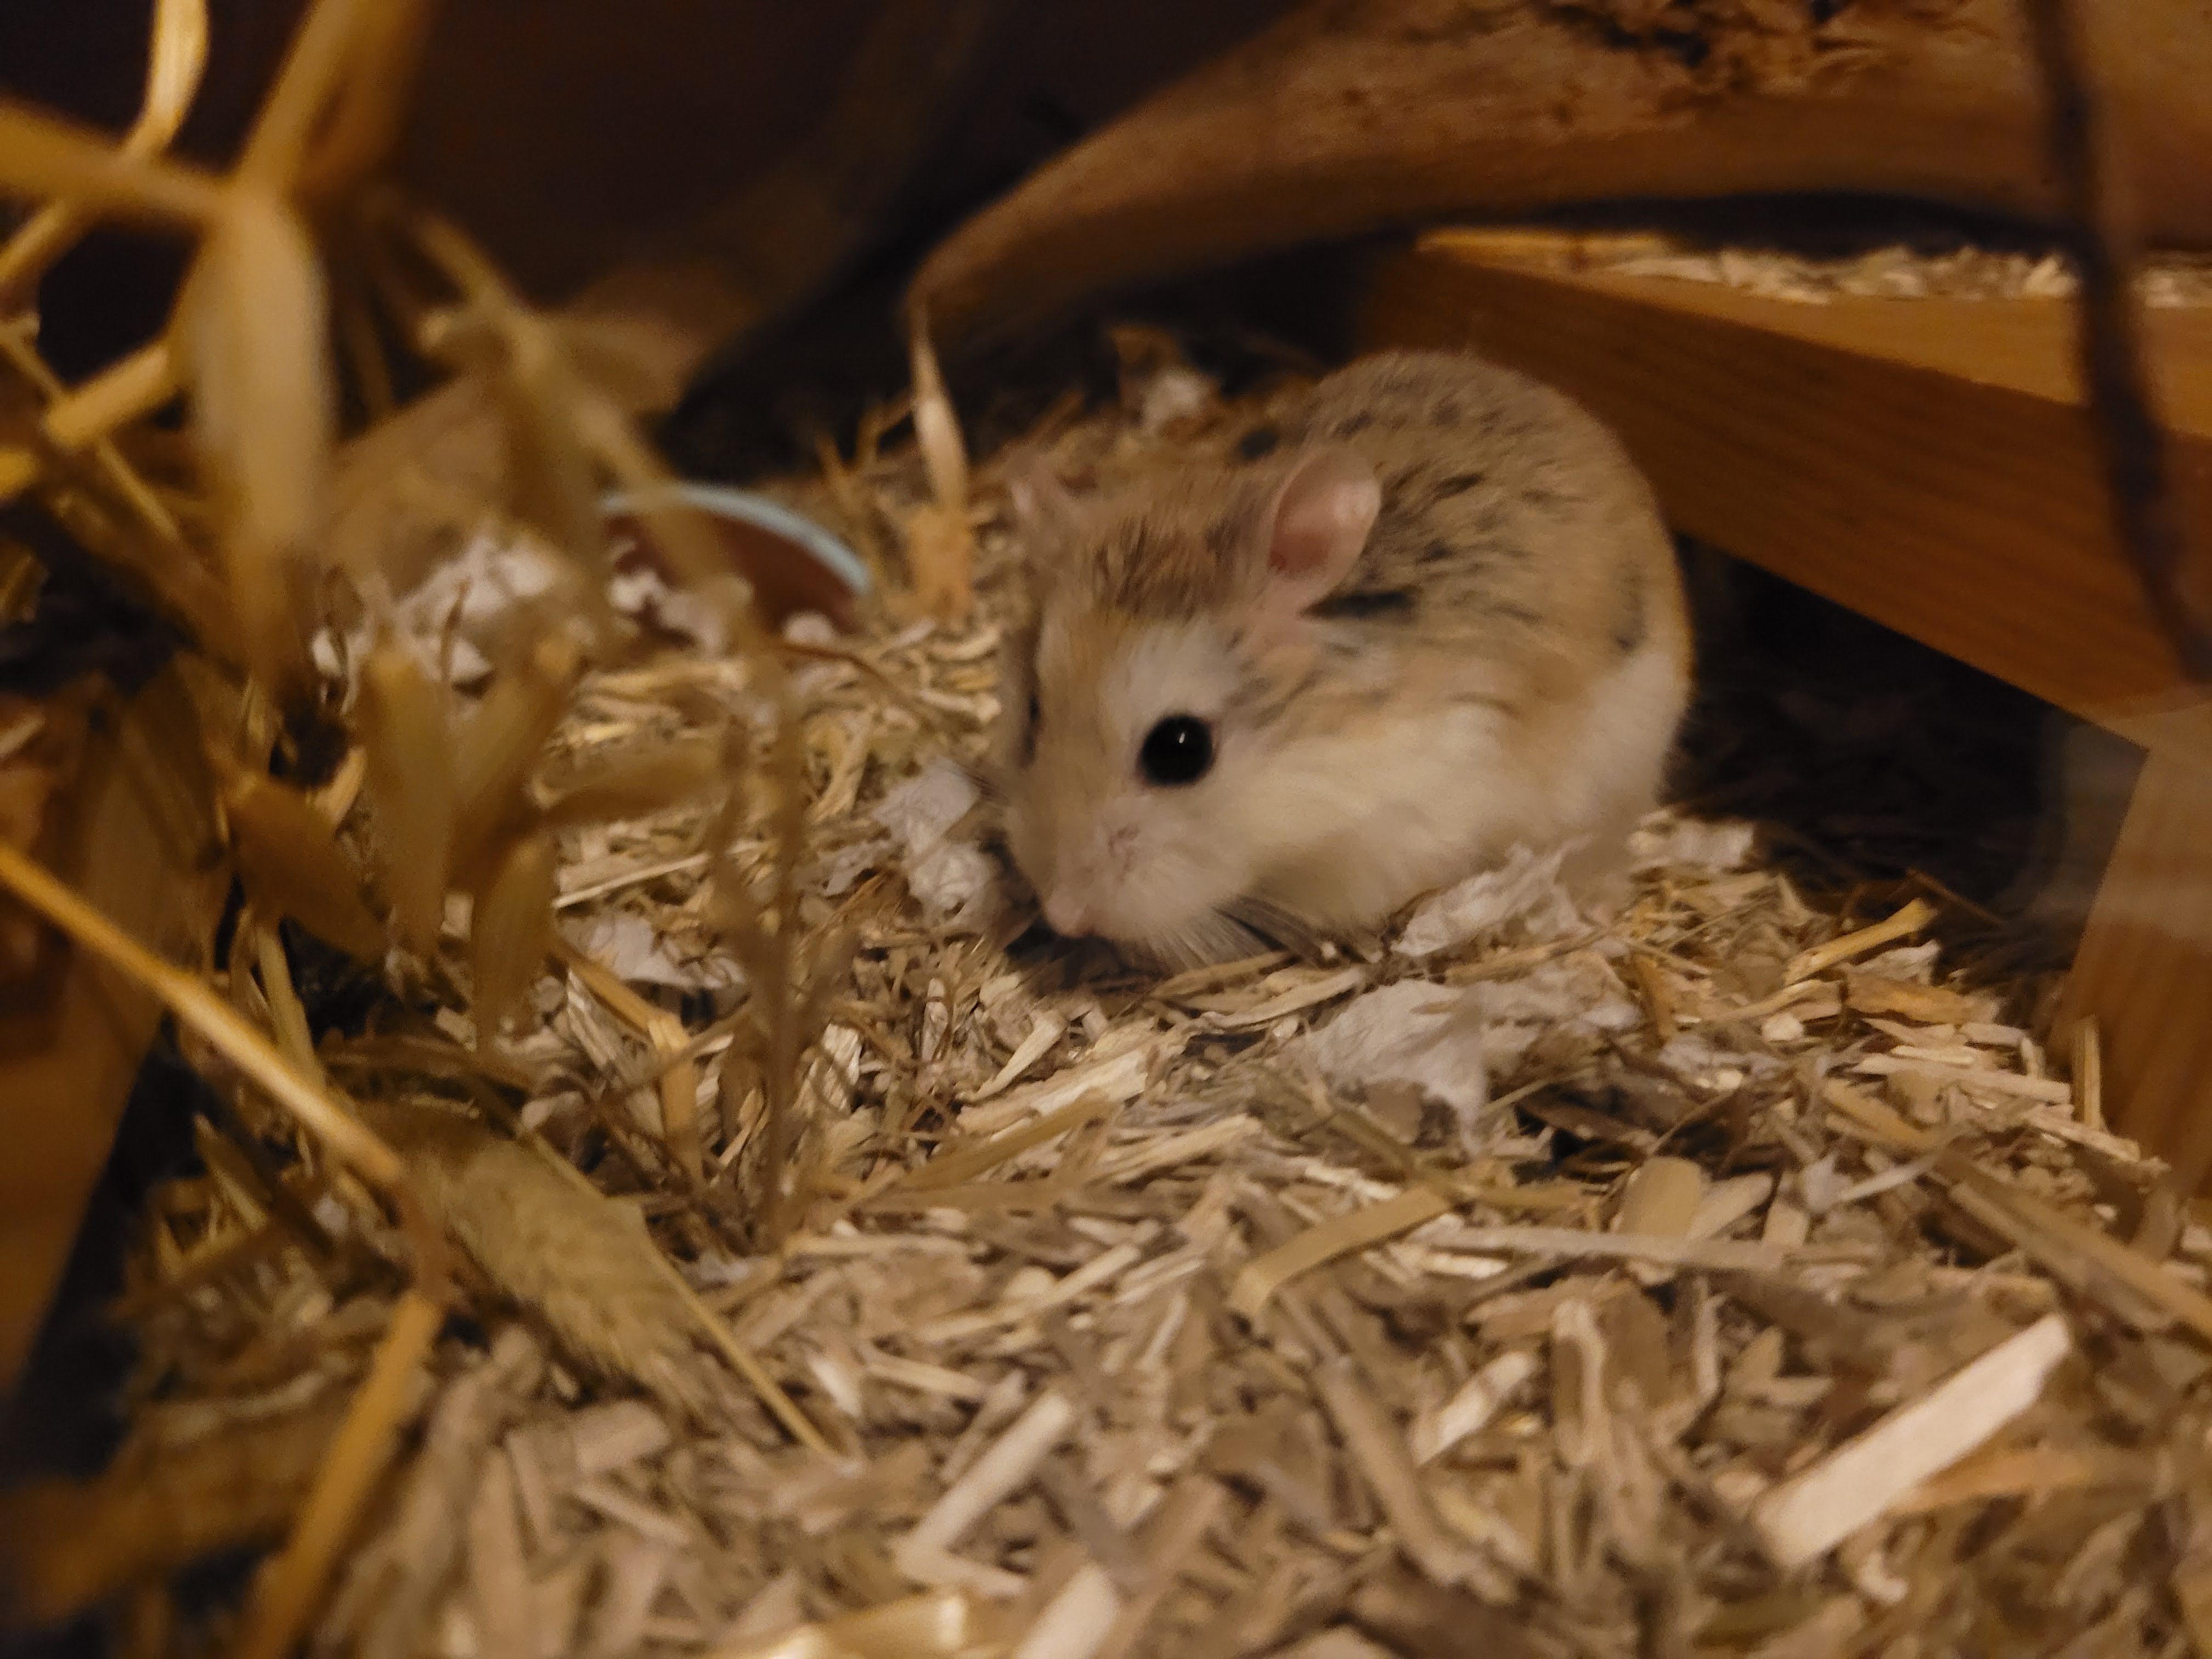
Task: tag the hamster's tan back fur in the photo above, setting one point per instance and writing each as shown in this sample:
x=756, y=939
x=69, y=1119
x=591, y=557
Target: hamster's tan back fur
x=1514, y=522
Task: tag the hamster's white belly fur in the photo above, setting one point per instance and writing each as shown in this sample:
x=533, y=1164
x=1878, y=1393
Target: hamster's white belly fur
x=1448, y=797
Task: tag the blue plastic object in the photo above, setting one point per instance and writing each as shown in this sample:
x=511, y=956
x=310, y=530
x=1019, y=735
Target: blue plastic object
x=759, y=511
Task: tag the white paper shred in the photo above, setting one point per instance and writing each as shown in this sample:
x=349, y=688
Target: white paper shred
x=1525, y=888
x=640, y=953
x=1172, y=395
x=1665, y=839
x=843, y=869
x=1412, y=1033
x=643, y=593
x=1579, y=992
x=946, y=875
x=1910, y=963
x=455, y=613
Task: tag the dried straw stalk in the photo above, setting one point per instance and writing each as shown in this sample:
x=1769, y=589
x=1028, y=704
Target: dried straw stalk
x=249, y=346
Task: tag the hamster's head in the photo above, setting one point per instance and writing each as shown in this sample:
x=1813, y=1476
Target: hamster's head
x=1145, y=768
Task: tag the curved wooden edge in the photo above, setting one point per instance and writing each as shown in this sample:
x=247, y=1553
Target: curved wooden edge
x=1411, y=111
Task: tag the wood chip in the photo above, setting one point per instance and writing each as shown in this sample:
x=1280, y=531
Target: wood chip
x=1115, y=1078
x=1904, y=924
x=1379, y=1453
x=1873, y=993
x=1661, y=1199
x=1470, y=1410
x=1260, y=1278
x=1009, y=1462
x=1295, y=1000
x=1811, y=1513
x=1077, y=1622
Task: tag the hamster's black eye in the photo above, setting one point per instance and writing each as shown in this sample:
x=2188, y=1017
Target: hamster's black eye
x=1179, y=749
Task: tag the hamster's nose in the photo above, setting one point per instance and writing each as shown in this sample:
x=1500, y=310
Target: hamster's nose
x=1067, y=915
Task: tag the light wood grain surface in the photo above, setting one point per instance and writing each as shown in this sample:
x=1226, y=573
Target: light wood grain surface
x=2144, y=969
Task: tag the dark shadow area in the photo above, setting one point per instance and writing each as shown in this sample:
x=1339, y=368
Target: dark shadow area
x=1872, y=757
x=66, y=1416
x=62, y=1417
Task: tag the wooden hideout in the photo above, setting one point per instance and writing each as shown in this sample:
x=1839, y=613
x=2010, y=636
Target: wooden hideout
x=1928, y=463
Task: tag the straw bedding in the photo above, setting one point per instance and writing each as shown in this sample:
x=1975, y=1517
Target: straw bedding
x=1738, y=1274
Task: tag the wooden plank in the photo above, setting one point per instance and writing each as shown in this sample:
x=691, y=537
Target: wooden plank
x=1925, y=462
x=2144, y=969
x=135, y=837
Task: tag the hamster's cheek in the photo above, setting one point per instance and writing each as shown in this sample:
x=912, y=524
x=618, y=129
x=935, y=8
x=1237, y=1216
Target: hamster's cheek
x=1028, y=843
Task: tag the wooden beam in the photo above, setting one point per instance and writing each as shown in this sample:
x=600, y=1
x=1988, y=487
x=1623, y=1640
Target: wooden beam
x=2144, y=969
x=1926, y=462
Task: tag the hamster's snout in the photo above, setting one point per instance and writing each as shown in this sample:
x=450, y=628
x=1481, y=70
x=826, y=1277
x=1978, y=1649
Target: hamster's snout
x=1074, y=902
x=1067, y=915
x=1084, y=882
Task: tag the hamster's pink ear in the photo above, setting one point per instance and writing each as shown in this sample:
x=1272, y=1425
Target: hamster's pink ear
x=1041, y=503
x=1320, y=519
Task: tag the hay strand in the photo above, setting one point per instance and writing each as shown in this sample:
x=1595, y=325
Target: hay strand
x=175, y=63
x=213, y=1019
x=285, y=1593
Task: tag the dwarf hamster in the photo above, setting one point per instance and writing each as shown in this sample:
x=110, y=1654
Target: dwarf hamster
x=1440, y=617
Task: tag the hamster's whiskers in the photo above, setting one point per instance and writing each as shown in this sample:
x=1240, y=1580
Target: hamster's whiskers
x=1263, y=921
x=989, y=785
x=1201, y=942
